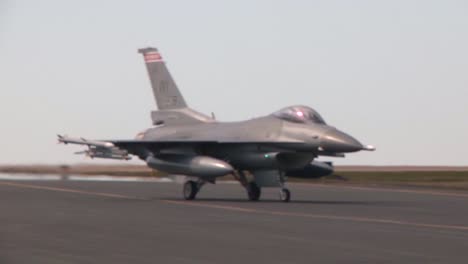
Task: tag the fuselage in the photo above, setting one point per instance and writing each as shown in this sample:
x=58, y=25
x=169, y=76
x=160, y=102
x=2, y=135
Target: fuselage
x=310, y=140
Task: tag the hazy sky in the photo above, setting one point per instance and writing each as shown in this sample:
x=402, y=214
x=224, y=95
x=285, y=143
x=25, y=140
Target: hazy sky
x=391, y=73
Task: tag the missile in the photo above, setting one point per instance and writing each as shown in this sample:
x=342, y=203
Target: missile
x=109, y=156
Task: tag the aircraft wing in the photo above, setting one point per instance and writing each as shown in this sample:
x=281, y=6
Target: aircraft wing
x=121, y=149
x=97, y=148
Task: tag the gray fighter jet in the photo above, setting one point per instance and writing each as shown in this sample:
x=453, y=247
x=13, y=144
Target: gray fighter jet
x=260, y=152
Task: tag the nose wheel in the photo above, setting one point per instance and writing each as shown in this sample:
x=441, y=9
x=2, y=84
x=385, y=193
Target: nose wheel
x=285, y=194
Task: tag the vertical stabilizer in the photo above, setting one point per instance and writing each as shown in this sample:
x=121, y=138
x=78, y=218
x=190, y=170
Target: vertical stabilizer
x=165, y=91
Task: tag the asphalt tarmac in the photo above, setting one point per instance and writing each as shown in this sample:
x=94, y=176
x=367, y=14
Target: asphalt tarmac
x=148, y=222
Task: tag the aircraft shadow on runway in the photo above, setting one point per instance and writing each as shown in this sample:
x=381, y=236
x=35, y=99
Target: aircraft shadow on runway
x=275, y=201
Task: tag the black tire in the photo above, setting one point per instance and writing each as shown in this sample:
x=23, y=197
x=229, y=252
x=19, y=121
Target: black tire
x=253, y=191
x=285, y=195
x=190, y=190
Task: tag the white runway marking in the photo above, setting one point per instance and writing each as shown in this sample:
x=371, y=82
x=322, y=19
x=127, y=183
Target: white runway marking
x=103, y=178
x=118, y=178
x=68, y=190
x=29, y=177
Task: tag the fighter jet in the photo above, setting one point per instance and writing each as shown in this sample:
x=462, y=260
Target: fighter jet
x=260, y=152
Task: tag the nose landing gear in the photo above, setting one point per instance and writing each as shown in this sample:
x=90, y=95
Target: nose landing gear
x=285, y=194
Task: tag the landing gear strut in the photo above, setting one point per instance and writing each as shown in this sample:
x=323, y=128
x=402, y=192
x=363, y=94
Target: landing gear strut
x=253, y=191
x=271, y=178
x=191, y=189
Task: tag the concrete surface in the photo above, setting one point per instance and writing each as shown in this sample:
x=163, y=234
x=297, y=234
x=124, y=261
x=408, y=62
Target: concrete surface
x=55, y=221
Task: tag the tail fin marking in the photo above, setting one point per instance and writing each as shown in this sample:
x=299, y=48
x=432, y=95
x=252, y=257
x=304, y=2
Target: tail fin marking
x=166, y=93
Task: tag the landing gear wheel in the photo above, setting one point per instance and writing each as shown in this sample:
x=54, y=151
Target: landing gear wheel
x=285, y=195
x=190, y=190
x=253, y=191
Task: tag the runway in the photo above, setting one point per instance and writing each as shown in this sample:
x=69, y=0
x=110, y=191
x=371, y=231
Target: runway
x=58, y=221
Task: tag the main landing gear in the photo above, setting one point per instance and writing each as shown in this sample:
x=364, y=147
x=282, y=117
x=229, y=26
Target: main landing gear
x=285, y=195
x=253, y=191
x=252, y=186
x=191, y=189
x=269, y=179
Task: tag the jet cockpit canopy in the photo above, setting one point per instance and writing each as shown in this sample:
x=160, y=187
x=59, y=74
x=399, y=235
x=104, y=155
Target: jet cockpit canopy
x=300, y=114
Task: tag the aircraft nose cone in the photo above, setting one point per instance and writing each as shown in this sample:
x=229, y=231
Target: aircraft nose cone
x=337, y=141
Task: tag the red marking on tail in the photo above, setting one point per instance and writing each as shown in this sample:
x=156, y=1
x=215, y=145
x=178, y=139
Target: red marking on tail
x=152, y=57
